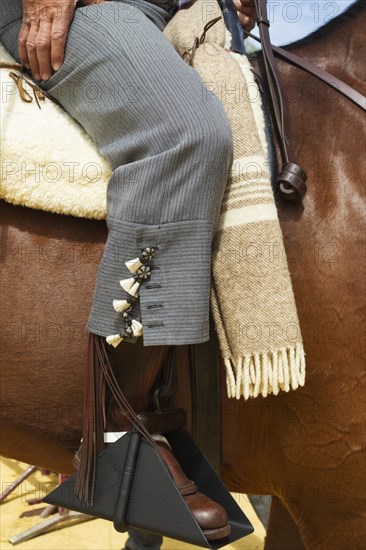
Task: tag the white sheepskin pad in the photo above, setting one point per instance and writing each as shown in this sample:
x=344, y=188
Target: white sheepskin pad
x=48, y=161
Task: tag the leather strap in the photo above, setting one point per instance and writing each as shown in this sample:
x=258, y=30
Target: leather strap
x=204, y=361
x=164, y=421
x=20, y=80
x=292, y=178
x=166, y=385
x=324, y=76
x=125, y=489
x=281, y=111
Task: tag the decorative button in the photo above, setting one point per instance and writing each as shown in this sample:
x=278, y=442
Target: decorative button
x=132, y=285
x=136, y=263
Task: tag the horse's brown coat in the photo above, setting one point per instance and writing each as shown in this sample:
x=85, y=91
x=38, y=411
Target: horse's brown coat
x=305, y=447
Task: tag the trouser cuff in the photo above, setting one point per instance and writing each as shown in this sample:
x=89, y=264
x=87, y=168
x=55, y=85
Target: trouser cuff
x=174, y=302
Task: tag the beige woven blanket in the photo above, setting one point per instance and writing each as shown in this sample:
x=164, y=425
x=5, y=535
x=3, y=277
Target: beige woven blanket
x=252, y=299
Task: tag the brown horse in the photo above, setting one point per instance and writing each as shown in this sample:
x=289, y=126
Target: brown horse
x=304, y=448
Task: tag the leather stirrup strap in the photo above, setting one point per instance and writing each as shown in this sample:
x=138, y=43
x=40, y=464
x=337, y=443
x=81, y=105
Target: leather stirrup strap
x=291, y=180
x=204, y=363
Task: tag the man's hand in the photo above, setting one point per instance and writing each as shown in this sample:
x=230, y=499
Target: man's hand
x=43, y=34
x=246, y=12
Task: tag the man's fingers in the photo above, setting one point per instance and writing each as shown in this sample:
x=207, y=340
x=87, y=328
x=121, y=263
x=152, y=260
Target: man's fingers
x=32, y=52
x=59, y=32
x=43, y=48
x=246, y=12
x=43, y=35
x=247, y=23
x=246, y=6
x=22, y=44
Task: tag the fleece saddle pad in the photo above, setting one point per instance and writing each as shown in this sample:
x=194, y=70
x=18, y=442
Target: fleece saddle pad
x=48, y=160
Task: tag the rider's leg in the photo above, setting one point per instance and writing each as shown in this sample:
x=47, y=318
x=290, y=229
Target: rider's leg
x=168, y=142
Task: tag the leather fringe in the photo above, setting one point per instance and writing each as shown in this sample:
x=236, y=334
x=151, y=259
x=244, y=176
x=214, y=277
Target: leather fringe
x=93, y=424
x=22, y=82
x=99, y=376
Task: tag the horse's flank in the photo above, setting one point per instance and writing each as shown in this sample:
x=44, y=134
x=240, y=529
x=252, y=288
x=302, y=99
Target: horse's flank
x=306, y=447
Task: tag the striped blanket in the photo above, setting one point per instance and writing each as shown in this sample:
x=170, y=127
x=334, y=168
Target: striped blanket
x=251, y=293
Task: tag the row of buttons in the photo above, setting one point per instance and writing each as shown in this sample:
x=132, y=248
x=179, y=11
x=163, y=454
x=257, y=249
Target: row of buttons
x=142, y=272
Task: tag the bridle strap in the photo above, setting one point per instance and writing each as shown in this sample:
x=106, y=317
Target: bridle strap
x=292, y=178
x=274, y=81
x=324, y=76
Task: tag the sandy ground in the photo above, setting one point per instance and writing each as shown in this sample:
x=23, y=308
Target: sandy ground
x=96, y=534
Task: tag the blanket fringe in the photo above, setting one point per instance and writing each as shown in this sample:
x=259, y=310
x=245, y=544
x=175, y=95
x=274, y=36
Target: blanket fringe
x=264, y=373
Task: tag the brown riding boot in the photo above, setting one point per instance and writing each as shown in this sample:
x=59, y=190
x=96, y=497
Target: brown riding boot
x=210, y=516
x=137, y=377
x=186, y=486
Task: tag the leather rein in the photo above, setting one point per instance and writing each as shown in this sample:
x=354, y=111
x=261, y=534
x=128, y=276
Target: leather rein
x=291, y=181
x=308, y=66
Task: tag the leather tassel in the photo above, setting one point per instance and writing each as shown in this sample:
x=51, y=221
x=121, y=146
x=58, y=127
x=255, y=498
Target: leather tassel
x=100, y=377
x=114, y=340
x=136, y=327
x=94, y=420
x=130, y=285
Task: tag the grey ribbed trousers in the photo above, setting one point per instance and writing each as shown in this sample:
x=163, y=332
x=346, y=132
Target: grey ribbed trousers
x=169, y=144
